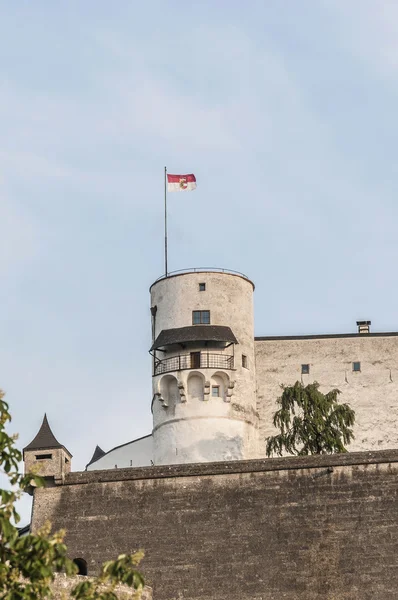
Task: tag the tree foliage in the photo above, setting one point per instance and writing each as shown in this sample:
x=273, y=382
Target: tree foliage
x=28, y=564
x=310, y=422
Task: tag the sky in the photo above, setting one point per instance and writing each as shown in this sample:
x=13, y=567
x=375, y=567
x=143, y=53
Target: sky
x=286, y=114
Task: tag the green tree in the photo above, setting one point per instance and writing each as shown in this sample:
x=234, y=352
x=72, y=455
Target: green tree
x=310, y=422
x=28, y=564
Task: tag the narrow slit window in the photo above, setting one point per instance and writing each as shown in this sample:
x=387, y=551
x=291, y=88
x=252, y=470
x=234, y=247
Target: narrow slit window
x=244, y=361
x=305, y=369
x=356, y=366
x=201, y=317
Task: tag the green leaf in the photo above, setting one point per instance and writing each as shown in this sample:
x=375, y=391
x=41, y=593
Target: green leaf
x=310, y=422
x=28, y=564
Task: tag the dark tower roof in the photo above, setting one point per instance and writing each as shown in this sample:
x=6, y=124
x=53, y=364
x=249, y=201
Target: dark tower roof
x=45, y=439
x=98, y=453
x=194, y=333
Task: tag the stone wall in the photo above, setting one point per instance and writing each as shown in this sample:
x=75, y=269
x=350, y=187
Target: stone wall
x=63, y=585
x=47, y=463
x=308, y=528
x=372, y=392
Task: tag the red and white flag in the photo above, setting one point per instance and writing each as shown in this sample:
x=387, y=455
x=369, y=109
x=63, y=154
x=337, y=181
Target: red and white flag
x=181, y=183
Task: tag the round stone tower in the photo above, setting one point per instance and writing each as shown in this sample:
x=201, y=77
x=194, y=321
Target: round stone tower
x=204, y=384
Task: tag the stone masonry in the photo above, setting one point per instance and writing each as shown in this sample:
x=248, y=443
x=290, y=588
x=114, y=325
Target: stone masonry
x=63, y=585
x=307, y=528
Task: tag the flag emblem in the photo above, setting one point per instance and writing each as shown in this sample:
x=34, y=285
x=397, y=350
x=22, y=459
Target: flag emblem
x=181, y=183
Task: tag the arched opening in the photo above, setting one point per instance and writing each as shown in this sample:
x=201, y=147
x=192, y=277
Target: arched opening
x=219, y=385
x=196, y=386
x=81, y=565
x=169, y=390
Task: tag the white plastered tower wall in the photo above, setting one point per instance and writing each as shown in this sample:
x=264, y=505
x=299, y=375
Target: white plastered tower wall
x=189, y=423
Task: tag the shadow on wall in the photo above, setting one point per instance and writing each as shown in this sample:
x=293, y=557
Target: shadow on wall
x=169, y=392
x=196, y=386
x=218, y=448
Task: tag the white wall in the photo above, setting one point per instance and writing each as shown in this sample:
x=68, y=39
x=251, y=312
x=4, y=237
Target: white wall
x=204, y=439
x=212, y=429
x=372, y=393
x=196, y=427
x=138, y=453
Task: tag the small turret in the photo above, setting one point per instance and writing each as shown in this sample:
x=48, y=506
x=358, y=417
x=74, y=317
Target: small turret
x=98, y=453
x=46, y=456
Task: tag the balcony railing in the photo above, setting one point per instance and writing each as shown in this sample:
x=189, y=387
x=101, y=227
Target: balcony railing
x=193, y=360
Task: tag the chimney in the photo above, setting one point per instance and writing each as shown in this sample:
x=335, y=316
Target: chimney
x=364, y=326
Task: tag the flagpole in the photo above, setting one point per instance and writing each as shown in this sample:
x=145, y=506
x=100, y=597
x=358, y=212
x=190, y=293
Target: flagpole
x=165, y=221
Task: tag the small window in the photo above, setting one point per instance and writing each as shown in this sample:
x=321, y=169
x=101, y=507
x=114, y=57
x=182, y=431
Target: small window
x=356, y=366
x=244, y=361
x=215, y=391
x=305, y=369
x=201, y=317
x=202, y=287
x=43, y=456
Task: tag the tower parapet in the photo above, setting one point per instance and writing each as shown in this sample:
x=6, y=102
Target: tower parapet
x=46, y=456
x=204, y=384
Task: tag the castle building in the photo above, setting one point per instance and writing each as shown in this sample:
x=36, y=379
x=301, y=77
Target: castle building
x=216, y=518
x=215, y=384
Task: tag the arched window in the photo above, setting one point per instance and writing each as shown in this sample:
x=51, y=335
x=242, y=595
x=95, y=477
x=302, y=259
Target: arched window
x=219, y=385
x=81, y=565
x=169, y=390
x=196, y=386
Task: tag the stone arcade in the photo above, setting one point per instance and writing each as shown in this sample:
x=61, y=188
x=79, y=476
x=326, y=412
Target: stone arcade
x=215, y=517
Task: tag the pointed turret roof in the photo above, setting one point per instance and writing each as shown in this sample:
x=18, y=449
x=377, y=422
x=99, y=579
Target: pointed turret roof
x=98, y=453
x=45, y=439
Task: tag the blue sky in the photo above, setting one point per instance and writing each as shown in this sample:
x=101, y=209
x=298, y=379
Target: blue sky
x=285, y=112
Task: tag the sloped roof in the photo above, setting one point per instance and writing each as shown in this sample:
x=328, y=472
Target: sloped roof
x=194, y=333
x=45, y=439
x=98, y=453
x=143, y=437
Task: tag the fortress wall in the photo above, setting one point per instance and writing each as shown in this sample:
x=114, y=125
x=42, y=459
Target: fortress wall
x=308, y=528
x=62, y=586
x=372, y=392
